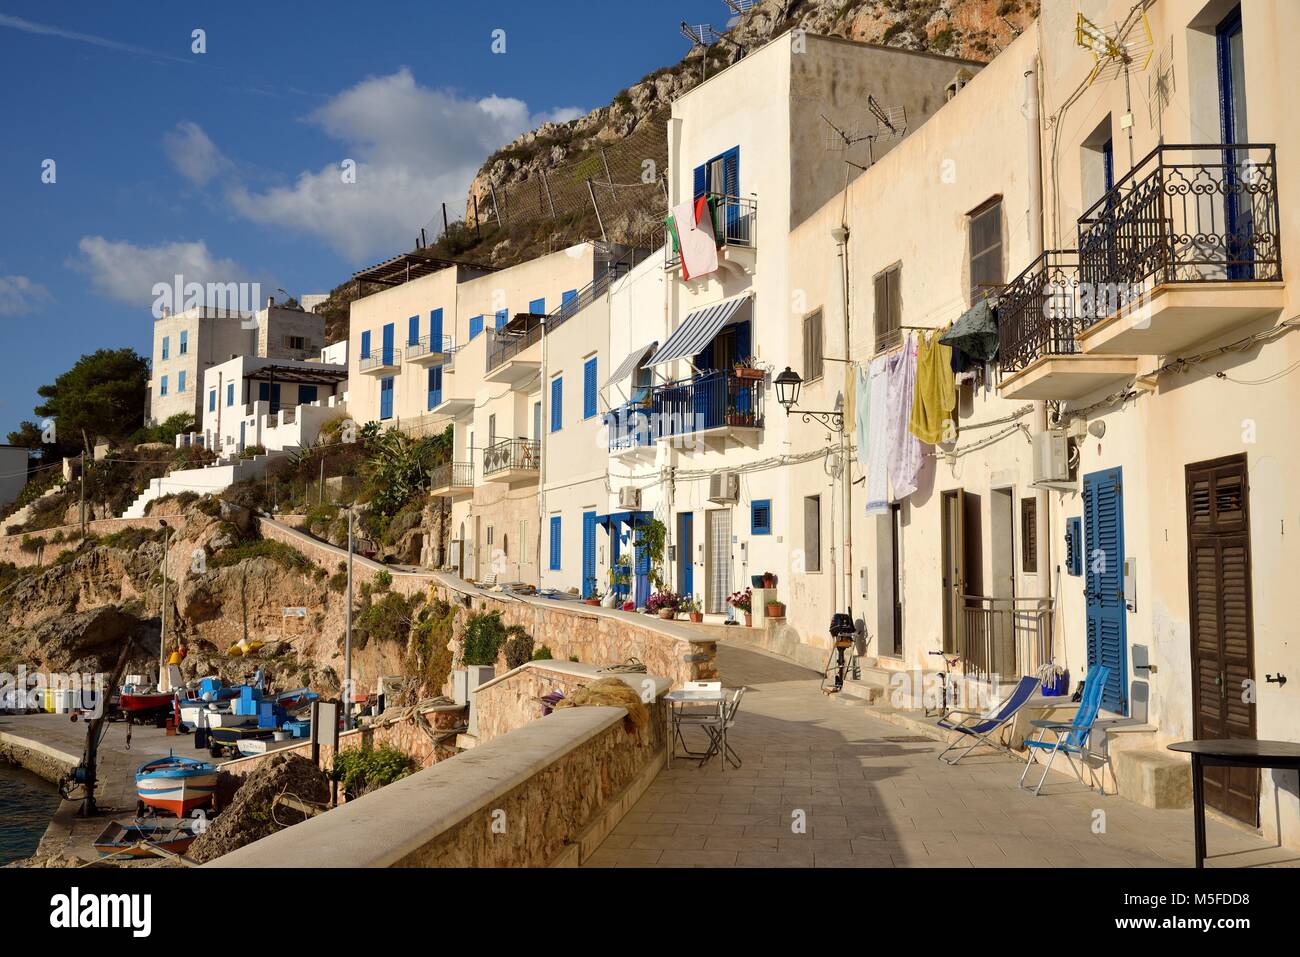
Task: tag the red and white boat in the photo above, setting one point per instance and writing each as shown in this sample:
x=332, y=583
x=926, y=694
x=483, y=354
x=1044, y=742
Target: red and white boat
x=176, y=784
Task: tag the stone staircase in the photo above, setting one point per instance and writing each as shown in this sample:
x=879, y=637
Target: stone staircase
x=209, y=480
x=21, y=516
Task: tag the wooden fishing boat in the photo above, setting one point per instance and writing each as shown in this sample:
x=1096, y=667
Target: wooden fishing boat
x=176, y=784
x=133, y=838
x=138, y=705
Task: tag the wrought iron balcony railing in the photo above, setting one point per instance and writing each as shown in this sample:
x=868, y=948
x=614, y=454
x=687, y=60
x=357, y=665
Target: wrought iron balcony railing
x=712, y=400
x=590, y=292
x=735, y=223
x=427, y=346
x=381, y=360
x=1185, y=214
x=503, y=345
x=1038, y=311
x=453, y=475
x=511, y=454
x=630, y=426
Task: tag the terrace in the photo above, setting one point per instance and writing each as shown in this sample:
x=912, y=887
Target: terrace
x=735, y=228
x=427, y=352
x=506, y=348
x=512, y=460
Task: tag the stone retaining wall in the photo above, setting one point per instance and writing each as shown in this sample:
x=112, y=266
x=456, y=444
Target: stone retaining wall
x=12, y=550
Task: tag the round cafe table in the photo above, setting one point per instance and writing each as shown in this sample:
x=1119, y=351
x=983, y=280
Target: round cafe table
x=1231, y=753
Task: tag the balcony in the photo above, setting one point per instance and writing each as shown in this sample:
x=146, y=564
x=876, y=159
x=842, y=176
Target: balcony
x=427, y=352
x=512, y=460
x=1004, y=637
x=449, y=358
x=631, y=430
x=735, y=230
x=1038, y=319
x=714, y=405
x=507, y=345
x=383, y=363
x=1184, y=248
x=452, y=479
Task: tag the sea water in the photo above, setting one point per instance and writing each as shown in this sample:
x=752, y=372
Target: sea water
x=26, y=805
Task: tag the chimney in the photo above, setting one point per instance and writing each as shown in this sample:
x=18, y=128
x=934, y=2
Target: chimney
x=270, y=301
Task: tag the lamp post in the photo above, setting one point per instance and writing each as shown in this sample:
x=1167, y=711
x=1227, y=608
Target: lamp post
x=162, y=612
x=788, y=384
x=347, y=639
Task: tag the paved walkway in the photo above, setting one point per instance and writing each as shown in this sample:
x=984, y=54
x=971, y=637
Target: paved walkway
x=872, y=795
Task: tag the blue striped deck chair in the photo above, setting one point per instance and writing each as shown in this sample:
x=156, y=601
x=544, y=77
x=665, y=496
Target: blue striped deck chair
x=973, y=728
x=1068, y=739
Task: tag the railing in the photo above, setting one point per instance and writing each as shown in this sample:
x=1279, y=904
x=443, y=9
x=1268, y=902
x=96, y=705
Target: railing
x=452, y=475
x=735, y=223
x=1038, y=311
x=630, y=426
x=1008, y=637
x=449, y=355
x=511, y=454
x=708, y=401
x=502, y=345
x=426, y=346
x=1184, y=214
x=381, y=360
x=590, y=292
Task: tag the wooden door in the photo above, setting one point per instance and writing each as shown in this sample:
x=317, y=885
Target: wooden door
x=1222, y=626
x=954, y=570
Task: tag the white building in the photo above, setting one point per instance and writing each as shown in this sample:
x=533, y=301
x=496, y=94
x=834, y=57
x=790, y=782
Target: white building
x=276, y=404
x=13, y=472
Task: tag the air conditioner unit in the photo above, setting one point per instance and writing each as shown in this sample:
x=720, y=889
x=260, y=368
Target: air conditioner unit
x=629, y=497
x=724, y=488
x=1051, y=457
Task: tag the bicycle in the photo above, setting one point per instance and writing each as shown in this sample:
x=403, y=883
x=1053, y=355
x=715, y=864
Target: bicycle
x=948, y=679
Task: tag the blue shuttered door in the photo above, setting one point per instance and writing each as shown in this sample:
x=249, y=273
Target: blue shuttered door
x=307, y=394
x=701, y=181
x=386, y=397
x=503, y=316
x=588, y=554
x=413, y=330
x=1103, y=561
x=475, y=325
x=435, y=387
x=388, y=345
x=589, y=388
x=685, y=551
x=435, y=330
x=642, y=573
x=555, y=543
x=537, y=307
x=365, y=344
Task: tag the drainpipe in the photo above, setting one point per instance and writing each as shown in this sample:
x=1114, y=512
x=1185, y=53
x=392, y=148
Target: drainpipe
x=840, y=235
x=1033, y=131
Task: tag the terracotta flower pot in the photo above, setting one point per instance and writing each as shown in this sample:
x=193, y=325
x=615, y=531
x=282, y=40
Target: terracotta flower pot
x=667, y=614
x=775, y=609
x=749, y=619
x=697, y=616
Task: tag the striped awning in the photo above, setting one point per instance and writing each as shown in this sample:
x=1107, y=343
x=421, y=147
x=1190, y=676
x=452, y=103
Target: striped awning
x=698, y=330
x=629, y=364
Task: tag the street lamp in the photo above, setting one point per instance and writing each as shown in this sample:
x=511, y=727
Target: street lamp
x=787, y=385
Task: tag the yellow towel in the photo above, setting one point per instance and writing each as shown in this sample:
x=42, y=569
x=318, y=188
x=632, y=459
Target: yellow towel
x=935, y=395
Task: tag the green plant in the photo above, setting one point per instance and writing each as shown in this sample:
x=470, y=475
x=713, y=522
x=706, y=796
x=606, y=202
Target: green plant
x=651, y=536
x=484, y=635
x=428, y=656
x=389, y=619
x=284, y=555
x=519, y=646
x=383, y=580
x=544, y=654
x=364, y=769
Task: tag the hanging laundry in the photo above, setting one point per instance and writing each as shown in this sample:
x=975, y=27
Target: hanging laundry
x=935, y=395
x=862, y=412
x=975, y=333
x=691, y=226
x=904, y=447
x=873, y=423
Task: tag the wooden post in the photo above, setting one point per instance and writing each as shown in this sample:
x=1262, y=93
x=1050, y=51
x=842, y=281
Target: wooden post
x=596, y=206
x=546, y=188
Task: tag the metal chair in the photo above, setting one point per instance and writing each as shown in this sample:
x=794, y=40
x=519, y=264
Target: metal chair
x=695, y=714
x=717, y=732
x=1069, y=739
x=980, y=725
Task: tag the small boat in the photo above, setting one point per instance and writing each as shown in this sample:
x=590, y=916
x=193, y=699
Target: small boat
x=139, y=704
x=133, y=838
x=176, y=784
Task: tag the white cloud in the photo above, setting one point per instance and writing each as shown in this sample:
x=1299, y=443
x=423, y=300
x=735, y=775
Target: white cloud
x=561, y=114
x=19, y=295
x=413, y=147
x=194, y=154
x=126, y=272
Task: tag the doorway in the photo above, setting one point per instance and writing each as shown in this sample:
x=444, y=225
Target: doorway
x=1103, y=580
x=1222, y=623
x=685, y=553
x=717, y=560
x=890, y=610
x=962, y=558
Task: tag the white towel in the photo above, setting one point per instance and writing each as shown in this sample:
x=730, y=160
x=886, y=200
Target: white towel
x=904, y=447
x=862, y=413
x=877, y=433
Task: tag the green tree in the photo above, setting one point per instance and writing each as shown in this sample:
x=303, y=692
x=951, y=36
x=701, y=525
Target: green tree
x=104, y=393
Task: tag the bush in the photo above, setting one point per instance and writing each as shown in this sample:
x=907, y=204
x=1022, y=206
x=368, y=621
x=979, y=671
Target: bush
x=365, y=769
x=484, y=635
x=284, y=555
x=544, y=654
x=384, y=580
x=519, y=646
x=428, y=655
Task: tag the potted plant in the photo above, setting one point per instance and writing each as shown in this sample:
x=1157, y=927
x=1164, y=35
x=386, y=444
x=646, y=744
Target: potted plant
x=664, y=604
x=743, y=601
x=620, y=575
x=747, y=368
x=775, y=609
x=769, y=580
x=692, y=607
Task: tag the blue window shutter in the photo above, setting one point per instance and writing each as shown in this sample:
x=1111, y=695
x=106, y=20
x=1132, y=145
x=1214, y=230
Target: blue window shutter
x=568, y=296
x=413, y=330
x=230, y=394
x=557, y=403
x=760, y=516
x=365, y=344
x=386, y=397
x=475, y=325
x=307, y=394
x=701, y=181
x=503, y=316
x=387, y=356
x=555, y=543
x=212, y=401
x=163, y=390
x=731, y=172
x=589, y=388
x=537, y=307
x=166, y=346
x=185, y=341
x=435, y=330
x=180, y=381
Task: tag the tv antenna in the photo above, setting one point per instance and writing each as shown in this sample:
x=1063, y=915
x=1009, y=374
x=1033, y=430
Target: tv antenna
x=1114, y=50
x=740, y=6
x=702, y=37
x=890, y=124
x=1161, y=86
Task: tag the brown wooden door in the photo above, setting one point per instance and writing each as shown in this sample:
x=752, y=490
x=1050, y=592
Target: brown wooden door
x=954, y=570
x=1223, y=641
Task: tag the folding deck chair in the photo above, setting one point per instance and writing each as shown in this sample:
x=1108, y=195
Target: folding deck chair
x=977, y=727
x=1068, y=739
x=717, y=731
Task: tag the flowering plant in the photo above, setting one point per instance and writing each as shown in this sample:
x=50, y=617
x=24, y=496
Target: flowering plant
x=663, y=599
x=742, y=600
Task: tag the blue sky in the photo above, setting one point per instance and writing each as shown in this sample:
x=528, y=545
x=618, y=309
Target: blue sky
x=224, y=166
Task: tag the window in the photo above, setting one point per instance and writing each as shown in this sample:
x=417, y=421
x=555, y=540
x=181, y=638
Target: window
x=365, y=344
x=812, y=533
x=1029, y=536
x=413, y=331
x=162, y=390
x=537, y=307
x=986, y=250
x=492, y=430
x=503, y=316
x=475, y=326
x=760, y=516
x=555, y=543
x=435, y=330
x=568, y=296
x=813, y=357
x=167, y=346
x=385, y=397
x=523, y=542
x=297, y=343
x=557, y=403
x=491, y=534
x=230, y=394
x=212, y=401
x=185, y=342
x=180, y=381
x=888, y=308
x=589, y=388
x=719, y=175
